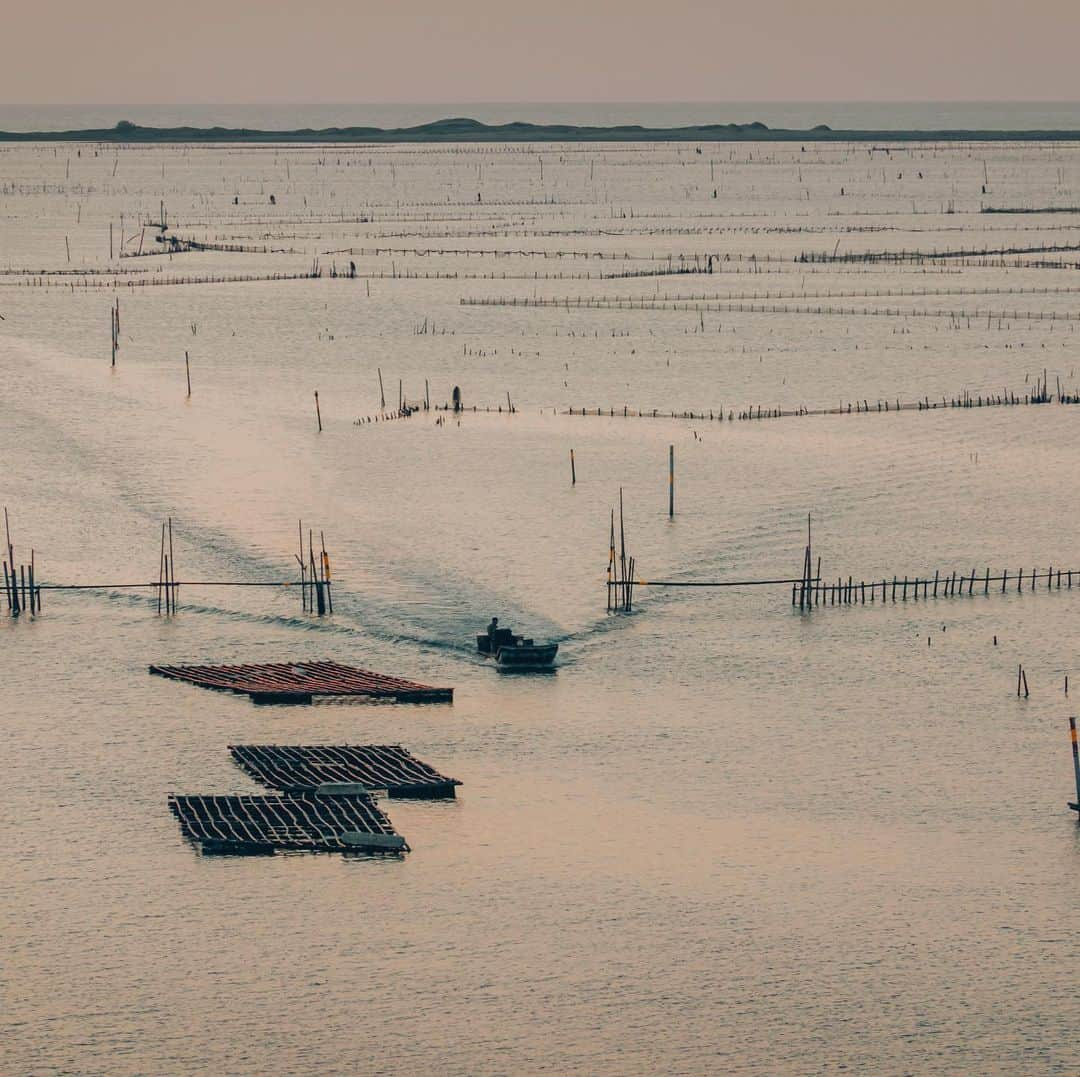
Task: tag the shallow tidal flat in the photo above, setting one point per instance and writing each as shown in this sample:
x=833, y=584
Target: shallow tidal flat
x=726, y=835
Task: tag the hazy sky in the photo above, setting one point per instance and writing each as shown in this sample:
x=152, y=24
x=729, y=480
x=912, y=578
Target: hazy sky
x=116, y=51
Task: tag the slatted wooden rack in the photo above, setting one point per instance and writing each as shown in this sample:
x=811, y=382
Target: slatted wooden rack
x=308, y=823
x=300, y=682
x=305, y=768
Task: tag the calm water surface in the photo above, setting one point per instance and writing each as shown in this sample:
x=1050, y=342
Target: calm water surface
x=724, y=836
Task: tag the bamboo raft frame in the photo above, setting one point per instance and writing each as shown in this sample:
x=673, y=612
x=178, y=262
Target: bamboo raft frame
x=301, y=682
x=313, y=768
x=260, y=825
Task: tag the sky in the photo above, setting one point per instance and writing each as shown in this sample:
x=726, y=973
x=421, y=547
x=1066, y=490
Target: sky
x=238, y=51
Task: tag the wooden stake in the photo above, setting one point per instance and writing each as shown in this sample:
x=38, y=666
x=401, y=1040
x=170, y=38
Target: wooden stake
x=622, y=538
x=300, y=560
x=671, y=482
x=326, y=573
x=170, y=567
x=318, y=413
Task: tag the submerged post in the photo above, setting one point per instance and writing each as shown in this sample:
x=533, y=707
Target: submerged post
x=1076, y=765
x=318, y=413
x=573, y=472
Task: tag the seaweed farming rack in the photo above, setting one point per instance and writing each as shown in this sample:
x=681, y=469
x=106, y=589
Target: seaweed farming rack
x=301, y=682
x=301, y=823
x=324, y=803
x=322, y=768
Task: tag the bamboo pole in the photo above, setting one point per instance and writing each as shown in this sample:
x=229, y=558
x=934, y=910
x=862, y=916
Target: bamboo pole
x=622, y=541
x=671, y=482
x=170, y=568
x=326, y=573
x=161, y=570
x=1076, y=765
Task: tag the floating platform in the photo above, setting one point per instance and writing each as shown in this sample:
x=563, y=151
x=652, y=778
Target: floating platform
x=255, y=825
x=342, y=769
x=300, y=682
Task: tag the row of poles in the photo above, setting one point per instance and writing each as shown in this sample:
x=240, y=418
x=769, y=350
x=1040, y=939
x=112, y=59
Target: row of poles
x=810, y=592
x=620, y=569
x=20, y=588
x=22, y=591
x=314, y=574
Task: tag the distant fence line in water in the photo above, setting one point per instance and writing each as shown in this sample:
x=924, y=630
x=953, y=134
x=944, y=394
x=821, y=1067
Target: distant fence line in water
x=115, y=278
x=118, y=277
x=815, y=592
x=922, y=256
x=732, y=297
x=98, y=278
x=738, y=307
x=857, y=407
x=176, y=245
x=164, y=281
x=522, y=231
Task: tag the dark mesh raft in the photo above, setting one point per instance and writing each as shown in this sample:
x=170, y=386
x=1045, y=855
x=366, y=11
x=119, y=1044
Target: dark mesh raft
x=307, y=768
x=298, y=822
x=300, y=682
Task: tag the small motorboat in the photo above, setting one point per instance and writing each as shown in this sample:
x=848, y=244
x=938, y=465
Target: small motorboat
x=516, y=652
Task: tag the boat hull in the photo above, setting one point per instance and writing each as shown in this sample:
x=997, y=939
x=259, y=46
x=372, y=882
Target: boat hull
x=525, y=657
